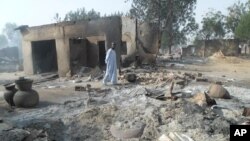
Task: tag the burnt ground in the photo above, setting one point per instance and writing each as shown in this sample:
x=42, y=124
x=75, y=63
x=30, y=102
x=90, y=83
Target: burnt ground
x=66, y=114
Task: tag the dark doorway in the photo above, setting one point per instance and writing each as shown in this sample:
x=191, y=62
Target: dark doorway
x=44, y=56
x=124, y=48
x=102, y=53
x=78, y=54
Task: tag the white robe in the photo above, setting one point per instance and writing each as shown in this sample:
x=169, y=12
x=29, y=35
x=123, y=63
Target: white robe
x=111, y=68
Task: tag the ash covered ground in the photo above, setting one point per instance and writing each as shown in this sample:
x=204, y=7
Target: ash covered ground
x=131, y=111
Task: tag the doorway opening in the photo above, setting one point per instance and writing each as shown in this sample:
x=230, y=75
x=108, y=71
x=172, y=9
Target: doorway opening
x=102, y=53
x=44, y=56
x=78, y=54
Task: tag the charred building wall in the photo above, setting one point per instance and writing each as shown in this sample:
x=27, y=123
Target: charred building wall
x=83, y=36
x=141, y=39
x=84, y=43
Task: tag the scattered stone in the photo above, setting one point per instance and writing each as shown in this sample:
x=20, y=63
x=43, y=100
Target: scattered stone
x=131, y=77
x=77, y=81
x=201, y=79
x=203, y=100
x=218, y=82
x=191, y=76
x=246, y=112
x=80, y=88
x=34, y=134
x=180, y=82
x=174, y=136
x=1, y=120
x=126, y=134
x=5, y=126
x=68, y=74
x=14, y=135
x=199, y=74
x=217, y=91
x=246, y=123
x=164, y=138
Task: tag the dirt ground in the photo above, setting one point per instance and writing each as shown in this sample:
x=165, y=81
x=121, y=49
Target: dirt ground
x=125, y=112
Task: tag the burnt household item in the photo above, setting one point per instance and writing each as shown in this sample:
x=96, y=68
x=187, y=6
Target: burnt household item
x=24, y=84
x=25, y=97
x=9, y=93
x=218, y=91
x=131, y=77
x=246, y=112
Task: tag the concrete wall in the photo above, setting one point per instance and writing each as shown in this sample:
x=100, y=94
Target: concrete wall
x=109, y=27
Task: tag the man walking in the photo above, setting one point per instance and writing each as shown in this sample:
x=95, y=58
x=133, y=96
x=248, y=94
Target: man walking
x=111, y=68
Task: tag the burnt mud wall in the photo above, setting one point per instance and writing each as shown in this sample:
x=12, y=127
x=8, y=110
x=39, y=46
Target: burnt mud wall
x=228, y=47
x=108, y=28
x=206, y=48
x=147, y=38
x=148, y=42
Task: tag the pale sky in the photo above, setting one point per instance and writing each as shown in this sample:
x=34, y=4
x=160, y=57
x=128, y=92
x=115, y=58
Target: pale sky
x=38, y=12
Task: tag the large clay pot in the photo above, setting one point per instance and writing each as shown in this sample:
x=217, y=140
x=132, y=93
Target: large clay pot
x=24, y=84
x=26, y=99
x=217, y=91
x=9, y=93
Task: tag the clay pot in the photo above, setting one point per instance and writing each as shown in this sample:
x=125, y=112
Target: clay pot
x=26, y=99
x=9, y=93
x=24, y=84
x=217, y=91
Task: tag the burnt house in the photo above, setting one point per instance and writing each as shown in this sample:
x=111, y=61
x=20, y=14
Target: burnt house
x=62, y=46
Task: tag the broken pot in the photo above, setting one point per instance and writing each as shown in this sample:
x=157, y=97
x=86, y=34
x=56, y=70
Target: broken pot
x=9, y=93
x=217, y=91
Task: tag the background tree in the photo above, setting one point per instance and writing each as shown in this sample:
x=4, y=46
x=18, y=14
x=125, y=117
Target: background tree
x=174, y=17
x=243, y=29
x=13, y=36
x=235, y=12
x=57, y=18
x=213, y=26
x=81, y=14
x=3, y=41
x=118, y=13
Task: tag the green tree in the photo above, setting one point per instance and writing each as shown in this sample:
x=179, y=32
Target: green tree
x=81, y=14
x=243, y=29
x=235, y=12
x=174, y=17
x=3, y=41
x=213, y=26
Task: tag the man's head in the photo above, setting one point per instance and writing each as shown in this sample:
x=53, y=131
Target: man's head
x=113, y=45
